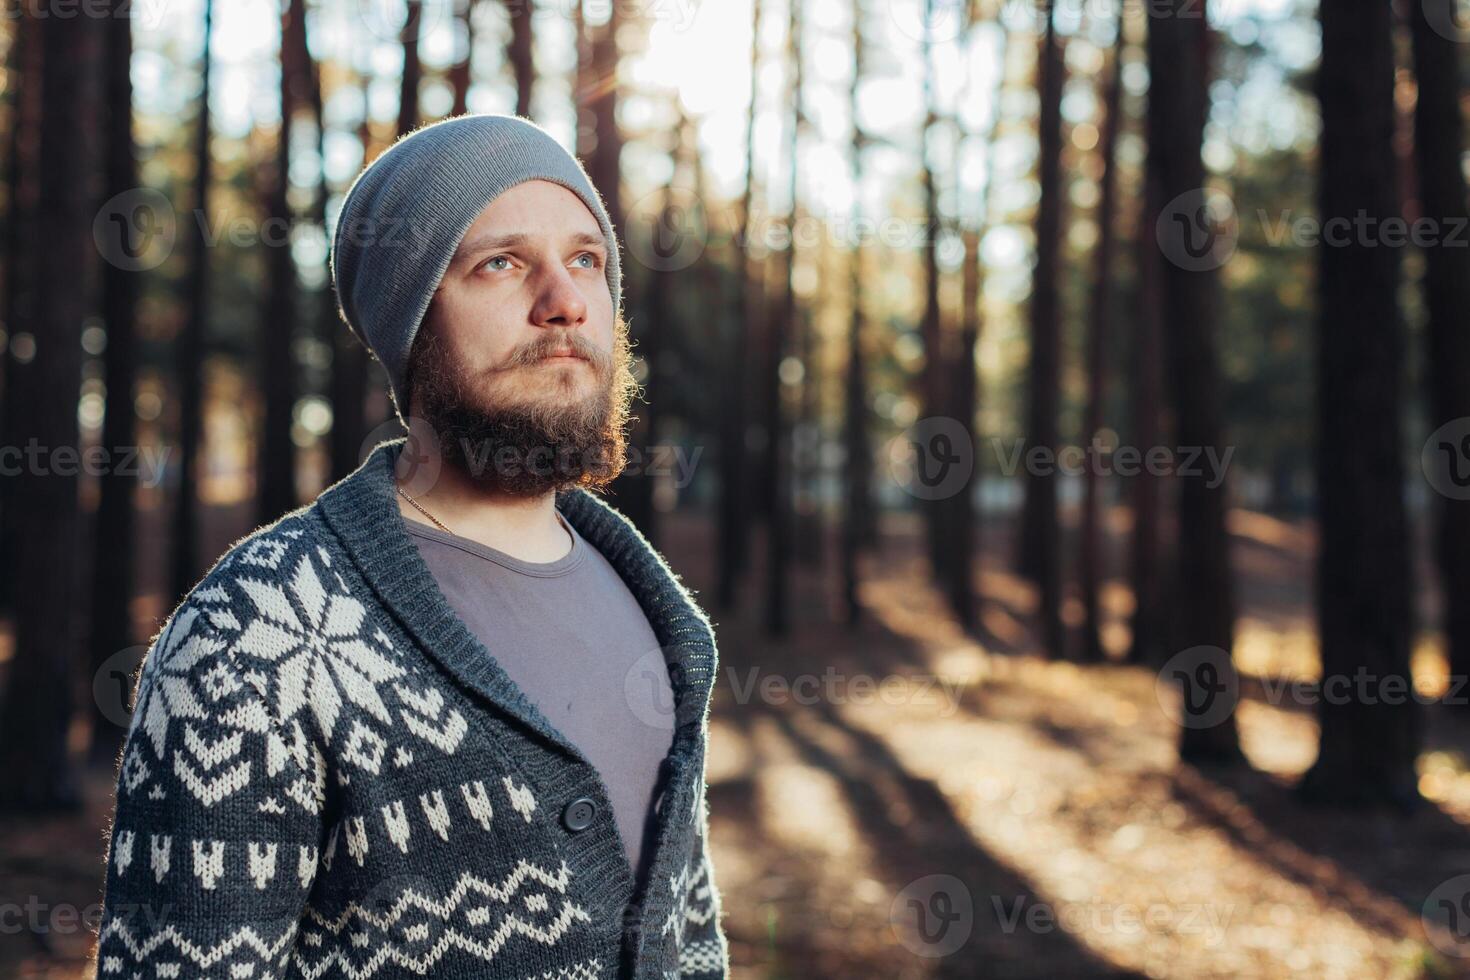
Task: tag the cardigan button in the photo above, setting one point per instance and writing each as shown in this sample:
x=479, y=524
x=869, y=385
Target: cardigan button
x=578, y=814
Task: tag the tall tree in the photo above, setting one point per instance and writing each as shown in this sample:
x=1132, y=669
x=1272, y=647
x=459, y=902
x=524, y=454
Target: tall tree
x=778, y=435
x=461, y=73
x=856, y=436
x=521, y=52
x=1098, y=341
x=189, y=349
x=112, y=579
x=276, y=491
x=1040, y=557
x=1148, y=644
x=734, y=457
x=600, y=144
x=960, y=522
x=932, y=376
x=23, y=185
x=1438, y=141
x=349, y=356
x=1179, y=60
x=413, y=68
x=36, y=713
x=1370, y=736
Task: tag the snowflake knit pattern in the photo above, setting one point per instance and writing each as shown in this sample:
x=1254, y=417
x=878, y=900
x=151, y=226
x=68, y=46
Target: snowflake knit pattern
x=328, y=776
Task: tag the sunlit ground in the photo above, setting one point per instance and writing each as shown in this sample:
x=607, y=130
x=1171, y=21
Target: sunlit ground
x=1052, y=791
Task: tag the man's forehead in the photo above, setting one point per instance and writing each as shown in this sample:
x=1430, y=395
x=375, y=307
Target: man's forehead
x=573, y=223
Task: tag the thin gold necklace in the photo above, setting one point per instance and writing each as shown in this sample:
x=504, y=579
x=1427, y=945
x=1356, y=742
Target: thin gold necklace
x=440, y=524
x=420, y=508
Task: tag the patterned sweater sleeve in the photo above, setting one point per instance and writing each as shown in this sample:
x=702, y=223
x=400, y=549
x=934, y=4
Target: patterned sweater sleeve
x=218, y=821
x=704, y=953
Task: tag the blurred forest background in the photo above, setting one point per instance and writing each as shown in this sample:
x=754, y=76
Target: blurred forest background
x=1063, y=411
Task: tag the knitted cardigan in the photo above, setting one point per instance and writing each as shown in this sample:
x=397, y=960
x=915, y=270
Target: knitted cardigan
x=327, y=775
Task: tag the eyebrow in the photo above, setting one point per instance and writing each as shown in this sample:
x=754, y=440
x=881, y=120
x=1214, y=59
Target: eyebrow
x=492, y=241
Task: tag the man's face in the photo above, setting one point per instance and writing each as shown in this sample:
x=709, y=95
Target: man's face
x=520, y=367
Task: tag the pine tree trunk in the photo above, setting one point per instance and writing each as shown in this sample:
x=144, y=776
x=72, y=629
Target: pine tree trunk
x=1098, y=342
x=1148, y=644
x=1039, y=557
x=35, y=716
x=522, y=53
x=413, y=68
x=112, y=572
x=276, y=492
x=778, y=435
x=461, y=72
x=856, y=440
x=1438, y=132
x=1179, y=55
x=190, y=346
x=1370, y=735
x=23, y=177
x=734, y=458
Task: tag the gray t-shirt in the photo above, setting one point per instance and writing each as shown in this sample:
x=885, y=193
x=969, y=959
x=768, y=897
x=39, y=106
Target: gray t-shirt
x=575, y=640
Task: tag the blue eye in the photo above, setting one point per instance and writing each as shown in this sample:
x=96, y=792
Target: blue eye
x=497, y=258
x=592, y=260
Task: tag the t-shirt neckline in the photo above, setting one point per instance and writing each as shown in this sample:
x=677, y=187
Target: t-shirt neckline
x=548, y=569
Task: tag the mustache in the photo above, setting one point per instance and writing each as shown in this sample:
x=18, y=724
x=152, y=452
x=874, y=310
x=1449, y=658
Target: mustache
x=549, y=344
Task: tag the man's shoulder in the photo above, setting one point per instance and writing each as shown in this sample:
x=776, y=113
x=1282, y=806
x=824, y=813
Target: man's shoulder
x=266, y=552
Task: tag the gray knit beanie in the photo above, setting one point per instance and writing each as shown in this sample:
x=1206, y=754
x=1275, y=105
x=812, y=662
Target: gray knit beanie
x=409, y=209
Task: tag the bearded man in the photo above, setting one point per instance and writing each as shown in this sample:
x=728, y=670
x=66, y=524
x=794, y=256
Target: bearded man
x=451, y=717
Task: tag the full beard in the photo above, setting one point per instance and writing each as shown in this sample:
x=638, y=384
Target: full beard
x=534, y=445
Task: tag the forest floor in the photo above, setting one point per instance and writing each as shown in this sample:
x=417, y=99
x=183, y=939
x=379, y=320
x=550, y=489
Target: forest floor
x=902, y=800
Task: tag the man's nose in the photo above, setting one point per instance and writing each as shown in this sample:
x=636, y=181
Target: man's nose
x=559, y=302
